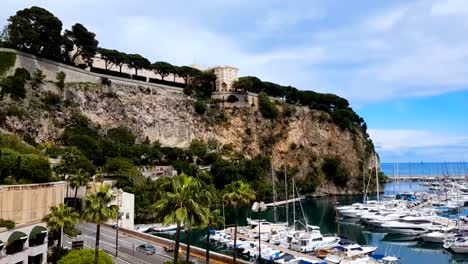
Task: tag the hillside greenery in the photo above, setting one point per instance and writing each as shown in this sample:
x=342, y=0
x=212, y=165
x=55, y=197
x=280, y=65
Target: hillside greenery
x=7, y=60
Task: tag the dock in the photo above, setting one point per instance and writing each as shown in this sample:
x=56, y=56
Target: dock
x=285, y=250
x=279, y=203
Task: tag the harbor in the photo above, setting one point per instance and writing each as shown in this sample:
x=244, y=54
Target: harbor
x=321, y=212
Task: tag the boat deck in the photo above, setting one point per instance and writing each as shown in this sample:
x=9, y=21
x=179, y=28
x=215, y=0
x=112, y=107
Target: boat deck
x=285, y=250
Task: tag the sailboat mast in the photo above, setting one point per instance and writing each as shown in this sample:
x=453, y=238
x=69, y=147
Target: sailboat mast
x=363, y=184
x=286, y=194
x=377, y=179
x=274, y=190
x=294, y=204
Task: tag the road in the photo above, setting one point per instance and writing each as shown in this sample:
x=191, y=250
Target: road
x=127, y=245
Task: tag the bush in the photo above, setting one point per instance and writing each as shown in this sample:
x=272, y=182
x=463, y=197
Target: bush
x=60, y=76
x=37, y=78
x=106, y=81
x=15, y=143
x=334, y=171
x=85, y=256
x=7, y=60
x=188, y=90
x=22, y=74
x=51, y=99
x=267, y=108
x=8, y=224
x=200, y=107
x=232, y=99
x=12, y=86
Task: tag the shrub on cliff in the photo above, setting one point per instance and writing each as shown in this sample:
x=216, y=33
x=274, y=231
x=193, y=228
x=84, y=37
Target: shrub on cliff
x=14, y=85
x=51, y=99
x=37, y=78
x=335, y=171
x=7, y=60
x=200, y=107
x=267, y=107
x=60, y=76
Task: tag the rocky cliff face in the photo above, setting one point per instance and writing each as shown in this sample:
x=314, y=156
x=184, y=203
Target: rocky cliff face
x=301, y=140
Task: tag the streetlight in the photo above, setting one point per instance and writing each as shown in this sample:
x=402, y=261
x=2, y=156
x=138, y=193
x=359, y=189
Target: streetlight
x=259, y=207
x=118, y=194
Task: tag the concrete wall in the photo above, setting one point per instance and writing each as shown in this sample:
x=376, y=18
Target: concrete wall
x=29, y=203
x=27, y=250
x=245, y=99
x=74, y=74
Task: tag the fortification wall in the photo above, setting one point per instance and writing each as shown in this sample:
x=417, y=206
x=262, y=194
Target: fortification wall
x=244, y=99
x=74, y=74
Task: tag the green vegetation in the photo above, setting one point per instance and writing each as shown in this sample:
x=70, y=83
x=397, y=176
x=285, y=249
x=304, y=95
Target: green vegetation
x=8, y=224
x=238, y=194
x=267, y=108
x=162, y=68
x=181, y=201
x=14, y=85
x=7, y=60
x=200, y=107
x=342, y=114
x=84, y=41
x=85, y=256
x=37, y=78
x=137, y=62
x=37, y=31
x=59, y=218
x=60, y=76
x=51, y=100
x=335, y=171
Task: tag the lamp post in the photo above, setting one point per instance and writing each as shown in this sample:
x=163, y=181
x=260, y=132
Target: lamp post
x=259, y=207
x=118, y=193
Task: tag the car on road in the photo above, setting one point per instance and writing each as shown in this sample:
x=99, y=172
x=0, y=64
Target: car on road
x=146, y=249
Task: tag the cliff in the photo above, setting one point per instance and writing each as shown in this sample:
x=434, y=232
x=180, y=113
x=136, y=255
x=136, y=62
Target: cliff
x=301, y=139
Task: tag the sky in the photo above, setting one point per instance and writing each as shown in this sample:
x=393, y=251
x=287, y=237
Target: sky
x=403, y=65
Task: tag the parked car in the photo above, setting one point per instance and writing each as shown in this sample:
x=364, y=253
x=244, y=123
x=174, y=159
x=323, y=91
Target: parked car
x=146, y=249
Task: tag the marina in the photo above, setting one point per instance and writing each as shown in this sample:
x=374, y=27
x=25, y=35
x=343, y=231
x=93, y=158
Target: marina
x=422, y=238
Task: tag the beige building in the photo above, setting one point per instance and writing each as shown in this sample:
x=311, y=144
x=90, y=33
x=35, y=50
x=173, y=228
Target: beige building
x=225, y=77
x=27, y=205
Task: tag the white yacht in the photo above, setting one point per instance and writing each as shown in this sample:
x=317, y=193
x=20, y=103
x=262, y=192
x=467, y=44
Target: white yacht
x=436, y=236
x=412, y=225
x=350, y=254
x=309, y=241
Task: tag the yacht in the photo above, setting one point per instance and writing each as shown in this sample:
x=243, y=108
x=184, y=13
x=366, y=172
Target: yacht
x=458, y=244
x=350, y=254
x=309, y=241
x=412, y=225
x=436, y=236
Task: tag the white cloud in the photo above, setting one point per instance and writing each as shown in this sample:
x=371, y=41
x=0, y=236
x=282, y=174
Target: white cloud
x=386, y=21
x=449, y=7
x=401, y=144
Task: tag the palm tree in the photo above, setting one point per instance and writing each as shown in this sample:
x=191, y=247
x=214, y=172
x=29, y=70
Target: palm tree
x=238, y=194
x=59, y=217
x=99, y=211
x=178, y=204
x=81, y=178
x=213, y=219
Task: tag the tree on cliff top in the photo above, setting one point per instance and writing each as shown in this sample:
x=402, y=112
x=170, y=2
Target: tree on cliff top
x=137, y=62
x=162, y=68
x=37, y=31
x=85, y=42
x=108, y=56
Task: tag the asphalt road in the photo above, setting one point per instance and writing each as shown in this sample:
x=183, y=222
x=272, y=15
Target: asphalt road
x=127, y=245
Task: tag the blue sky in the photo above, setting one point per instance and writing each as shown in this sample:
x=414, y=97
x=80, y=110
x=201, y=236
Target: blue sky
x=403, y=65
